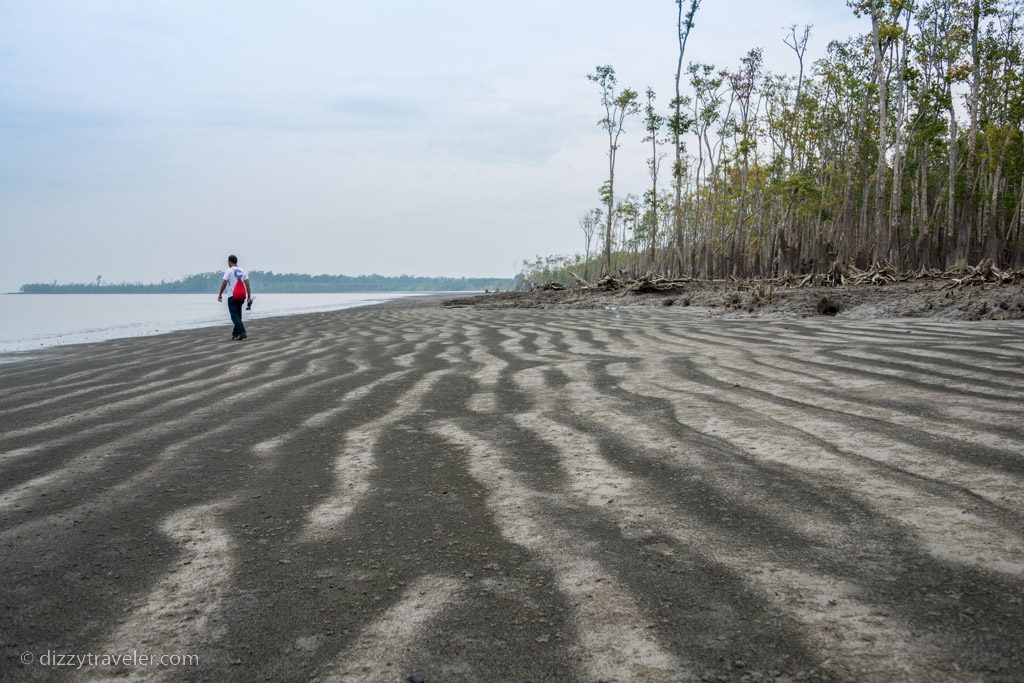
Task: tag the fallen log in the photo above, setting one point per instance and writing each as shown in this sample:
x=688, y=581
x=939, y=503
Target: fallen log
x=609, y=283
x=580, y=281
x=659, y=284
x=550, y=287
x=839, y=274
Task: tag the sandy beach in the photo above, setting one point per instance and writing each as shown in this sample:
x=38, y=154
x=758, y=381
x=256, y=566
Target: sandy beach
x=408, y=491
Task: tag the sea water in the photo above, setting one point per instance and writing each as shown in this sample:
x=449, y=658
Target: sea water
x=33, y=321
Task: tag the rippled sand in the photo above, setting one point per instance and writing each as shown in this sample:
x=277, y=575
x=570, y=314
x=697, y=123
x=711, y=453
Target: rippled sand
x=409, y=490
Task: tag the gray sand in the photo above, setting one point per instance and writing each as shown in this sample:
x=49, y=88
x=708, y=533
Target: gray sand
x=509, y=495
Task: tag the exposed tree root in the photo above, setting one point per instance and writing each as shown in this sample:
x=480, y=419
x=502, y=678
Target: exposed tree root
x=838, y=275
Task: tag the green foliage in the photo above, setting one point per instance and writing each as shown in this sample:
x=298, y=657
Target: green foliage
x=901, y=143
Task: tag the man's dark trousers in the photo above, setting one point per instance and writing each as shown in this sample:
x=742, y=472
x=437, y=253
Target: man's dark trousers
x=235, y=309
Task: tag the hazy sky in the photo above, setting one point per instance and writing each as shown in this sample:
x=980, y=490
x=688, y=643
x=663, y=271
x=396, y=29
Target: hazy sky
x=145, y=140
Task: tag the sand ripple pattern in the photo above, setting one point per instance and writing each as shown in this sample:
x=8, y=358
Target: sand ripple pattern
x=583, y=495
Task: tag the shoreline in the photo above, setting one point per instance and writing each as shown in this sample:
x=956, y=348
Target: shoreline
x=577, y=494
x=125, y=331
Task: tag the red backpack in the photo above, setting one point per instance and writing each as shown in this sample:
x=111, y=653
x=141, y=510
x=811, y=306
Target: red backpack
x=238, y=293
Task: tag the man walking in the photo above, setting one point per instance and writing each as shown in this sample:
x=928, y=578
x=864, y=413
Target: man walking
x=237, y=280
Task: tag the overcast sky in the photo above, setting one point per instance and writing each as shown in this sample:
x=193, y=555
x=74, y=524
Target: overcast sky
x=144, y=140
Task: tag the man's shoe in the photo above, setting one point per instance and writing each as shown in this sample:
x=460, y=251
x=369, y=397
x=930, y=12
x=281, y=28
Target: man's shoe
x=234, y=337
x=243, y=337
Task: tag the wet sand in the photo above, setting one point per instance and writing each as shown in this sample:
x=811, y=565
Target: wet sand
x=526, y=495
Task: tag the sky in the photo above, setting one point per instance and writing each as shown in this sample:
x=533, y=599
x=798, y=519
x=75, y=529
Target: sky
x=144, y=140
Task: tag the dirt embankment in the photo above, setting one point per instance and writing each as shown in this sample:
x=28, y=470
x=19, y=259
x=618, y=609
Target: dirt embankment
x=913, y=299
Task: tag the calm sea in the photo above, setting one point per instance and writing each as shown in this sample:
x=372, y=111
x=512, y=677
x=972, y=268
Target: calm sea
x=33, y=321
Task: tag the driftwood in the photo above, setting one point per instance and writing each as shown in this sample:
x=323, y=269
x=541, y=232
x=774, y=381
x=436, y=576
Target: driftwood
x=580, y=281
x=550, y=287
x=762, y=294
x=981, y=274
x=609, y=283
x=657, y=284
x=879, y=274
x=640, y=285
x=839, y=274
x=883, y=273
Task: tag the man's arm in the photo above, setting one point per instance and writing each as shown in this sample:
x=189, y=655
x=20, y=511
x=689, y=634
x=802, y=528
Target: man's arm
x=248, y=288
x=223, y=284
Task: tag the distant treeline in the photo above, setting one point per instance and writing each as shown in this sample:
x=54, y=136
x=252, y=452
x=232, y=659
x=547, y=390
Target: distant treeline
x=283, y=283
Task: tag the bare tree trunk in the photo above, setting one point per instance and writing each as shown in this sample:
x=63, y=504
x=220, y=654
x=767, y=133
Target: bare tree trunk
x=896, y=200
x=1013, y=233
x=911, y=255
x=966, y=238
x=677, y=164
x=848, y=234
x=951, y=253
x=654, y=195
x=864, y=240
x=923, y=238
x=799, y=46
x=881, y=238
x=611, y=213
x=990, y=219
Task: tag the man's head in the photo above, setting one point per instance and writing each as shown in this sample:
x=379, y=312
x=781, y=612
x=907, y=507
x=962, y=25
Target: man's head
x=232, y=260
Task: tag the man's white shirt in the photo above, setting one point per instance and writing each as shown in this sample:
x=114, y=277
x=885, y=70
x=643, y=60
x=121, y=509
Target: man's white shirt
x=233, y=275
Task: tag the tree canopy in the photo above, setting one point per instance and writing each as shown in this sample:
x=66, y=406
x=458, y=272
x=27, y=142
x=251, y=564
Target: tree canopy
x=903, y=145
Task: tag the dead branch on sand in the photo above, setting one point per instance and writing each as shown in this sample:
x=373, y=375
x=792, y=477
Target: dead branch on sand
x=879, y=274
